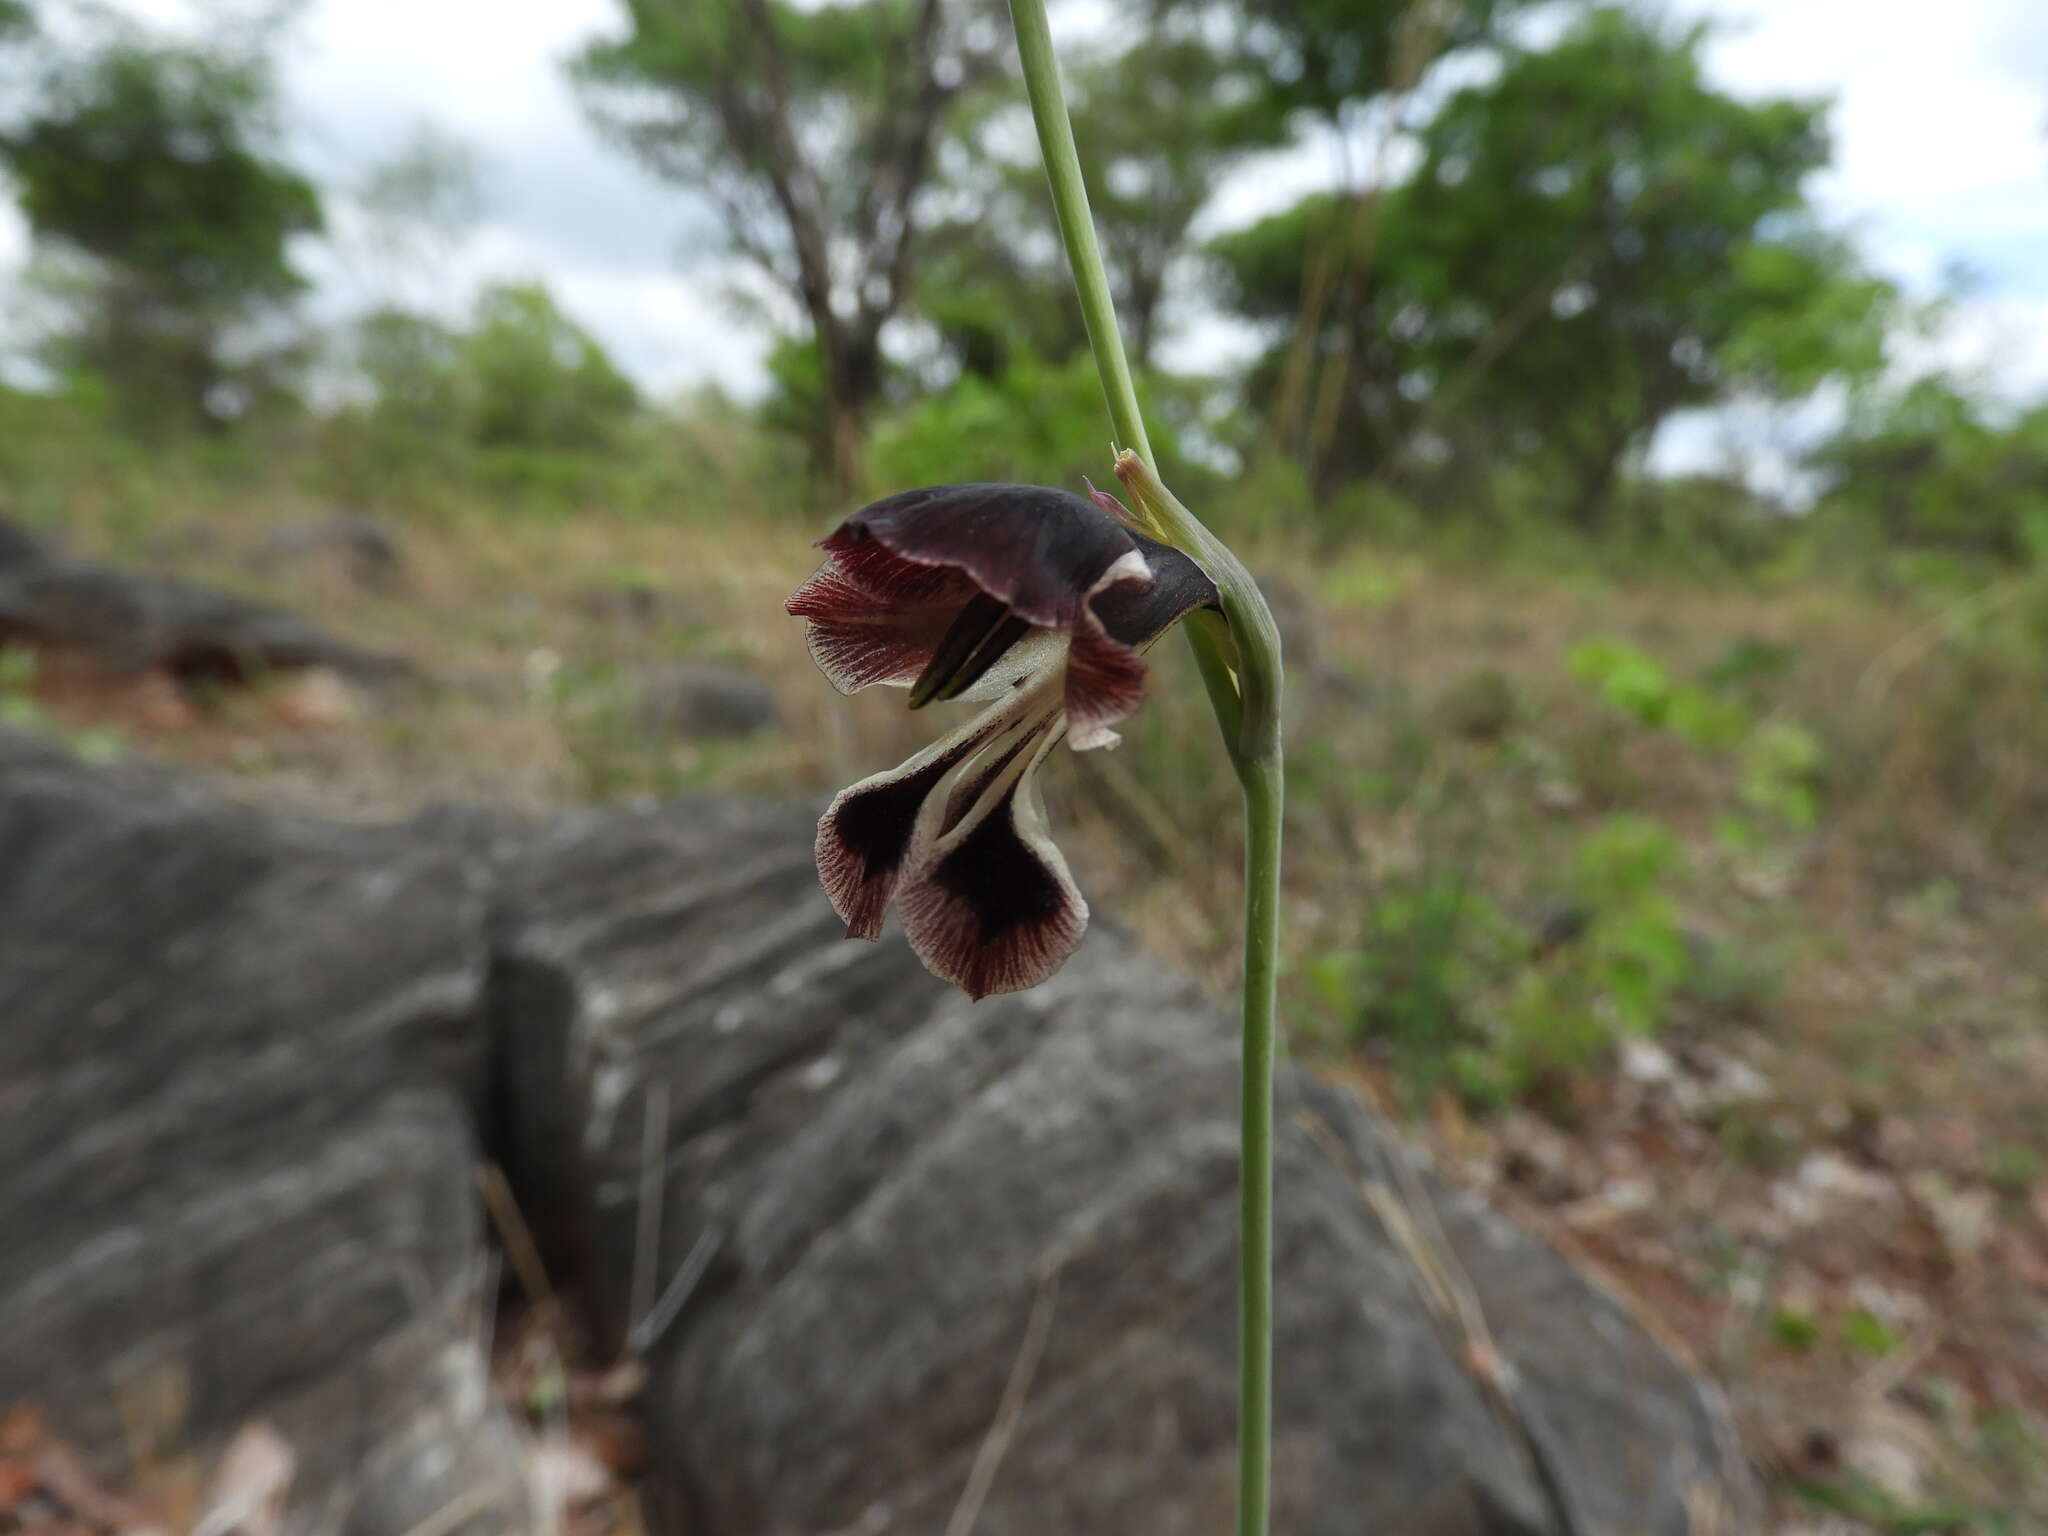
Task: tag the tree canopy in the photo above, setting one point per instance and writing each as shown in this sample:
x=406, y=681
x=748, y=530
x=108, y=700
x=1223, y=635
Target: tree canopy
x=812, y=131
x=1593, y=240
x=149, y=167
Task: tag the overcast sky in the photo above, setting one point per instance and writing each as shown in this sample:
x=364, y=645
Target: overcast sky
x=1941, y=124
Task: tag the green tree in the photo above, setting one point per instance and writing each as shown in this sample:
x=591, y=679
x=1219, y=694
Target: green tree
x=812, y=130
x=1158, y=125
x=1592, y=241
x=539, y=379
x=1331, y=58
x=521, y=377
x=146, y=174
x=1937, y=467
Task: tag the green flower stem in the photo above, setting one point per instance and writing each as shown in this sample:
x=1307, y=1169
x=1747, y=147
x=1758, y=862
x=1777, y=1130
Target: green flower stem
x=1239, y=659
x=1077, y=227
x=1262, y=807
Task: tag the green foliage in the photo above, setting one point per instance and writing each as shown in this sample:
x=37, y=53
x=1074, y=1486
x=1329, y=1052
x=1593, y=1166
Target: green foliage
x=1874, y=1509
x=146, y=167
x=1794, y=1329
x=812, y=130
x=1781, y=765
x=1330, y=57
x=522, y=398
x=1864, y=1332
x=1431, y=949
x=1933, y=468
x=1662, y=253
x=1784, y=768
x=1157, y=124
x=149, y=159
x=1462, y=995
x=1620, y=973
x=1036, y=422
x=1632, y=682
x=540, y=380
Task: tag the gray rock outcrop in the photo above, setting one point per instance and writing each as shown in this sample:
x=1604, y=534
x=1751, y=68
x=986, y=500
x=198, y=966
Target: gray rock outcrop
x=237, y=1066
x=927, y=1247
x=127, y=622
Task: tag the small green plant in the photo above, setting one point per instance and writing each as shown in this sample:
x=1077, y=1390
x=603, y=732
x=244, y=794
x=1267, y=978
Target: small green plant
x=1432, y=950
x=1783, y=769
x=1617, y=974
x=1781, y=766
x=1633, y=682
x=1885, y=1513
x=1865, y=1333
x=1627, y=679
x=1795, y=1329
x=1458, y=993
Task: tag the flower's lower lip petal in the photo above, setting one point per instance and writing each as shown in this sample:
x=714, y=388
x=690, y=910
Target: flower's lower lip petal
x=866, y=832
x=990, y=906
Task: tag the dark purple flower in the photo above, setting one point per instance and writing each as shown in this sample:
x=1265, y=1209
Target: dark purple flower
x=1035, y=602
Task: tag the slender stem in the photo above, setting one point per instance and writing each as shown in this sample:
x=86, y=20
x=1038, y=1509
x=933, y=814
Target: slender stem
x=1062, y=159
x=1263, y=788
x=1077, y=226
x=1239, y=658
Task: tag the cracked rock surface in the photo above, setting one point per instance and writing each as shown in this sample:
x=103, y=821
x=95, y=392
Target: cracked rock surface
x=249, y=1062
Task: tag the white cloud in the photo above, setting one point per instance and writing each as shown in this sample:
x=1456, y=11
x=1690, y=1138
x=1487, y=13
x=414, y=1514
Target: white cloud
x=559, y=204
x=1941, y=140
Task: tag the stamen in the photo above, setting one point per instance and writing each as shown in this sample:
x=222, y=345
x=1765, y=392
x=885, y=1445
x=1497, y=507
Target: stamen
x=977, y=640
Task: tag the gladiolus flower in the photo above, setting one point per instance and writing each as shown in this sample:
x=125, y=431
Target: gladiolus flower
x=1037, y=603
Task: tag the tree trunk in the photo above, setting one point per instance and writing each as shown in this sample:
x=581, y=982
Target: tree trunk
x=853, y=383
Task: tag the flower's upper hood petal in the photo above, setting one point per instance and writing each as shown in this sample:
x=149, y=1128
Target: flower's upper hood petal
x=1137, y=613
x=1042, y=552
x=1105, y=674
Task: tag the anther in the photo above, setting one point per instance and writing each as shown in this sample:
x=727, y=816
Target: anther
x=977, y=640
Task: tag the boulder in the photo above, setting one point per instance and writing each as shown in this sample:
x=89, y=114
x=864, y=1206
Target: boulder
x=364, y=548
x=237, y=1163
x=889, y=1204
x=17, y=545
x=125, y=624
x=881, y=1250
x=700, y=700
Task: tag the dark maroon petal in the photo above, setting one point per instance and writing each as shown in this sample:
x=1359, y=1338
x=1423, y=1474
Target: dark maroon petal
x=1105, y=681
x=873, y=617
x=990, y=906
x=858, y=639
x=1040, y=551
x=865, y=833
x=1138, y=613
x=891, y=578
x=854, y=656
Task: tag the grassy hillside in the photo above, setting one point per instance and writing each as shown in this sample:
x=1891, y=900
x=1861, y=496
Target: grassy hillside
x=1697, y=917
